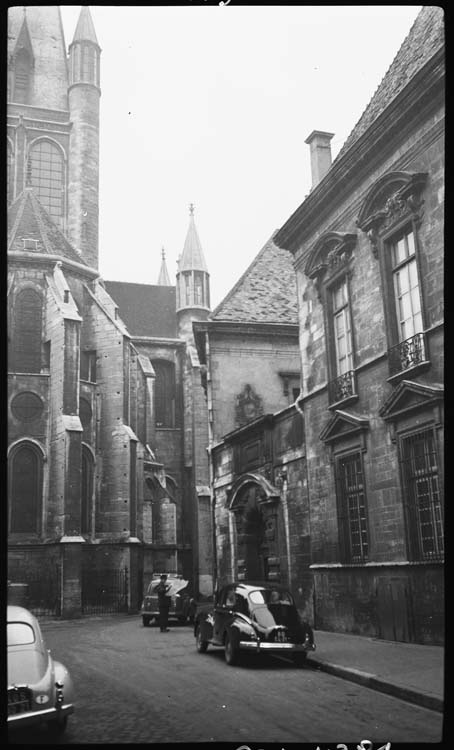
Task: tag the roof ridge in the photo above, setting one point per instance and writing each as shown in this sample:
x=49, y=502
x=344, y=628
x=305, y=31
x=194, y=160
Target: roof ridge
x=404, y=72
x=20, y=212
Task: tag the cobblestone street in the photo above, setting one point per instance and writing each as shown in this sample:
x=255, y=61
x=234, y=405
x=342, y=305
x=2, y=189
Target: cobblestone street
x=136, y=685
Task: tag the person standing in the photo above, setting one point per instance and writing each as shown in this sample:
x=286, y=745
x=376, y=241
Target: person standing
x=162, y=590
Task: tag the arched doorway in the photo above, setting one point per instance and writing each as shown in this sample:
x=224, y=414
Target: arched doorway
x=255, y=508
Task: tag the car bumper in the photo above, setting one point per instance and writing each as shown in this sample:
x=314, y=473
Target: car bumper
x=36, y=717
x=258, y=646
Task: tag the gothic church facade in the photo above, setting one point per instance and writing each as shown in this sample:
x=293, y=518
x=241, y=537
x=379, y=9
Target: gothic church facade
x=107, y=479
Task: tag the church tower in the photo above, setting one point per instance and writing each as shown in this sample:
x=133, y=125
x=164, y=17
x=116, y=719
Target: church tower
x=83, y=180
x=193, y=282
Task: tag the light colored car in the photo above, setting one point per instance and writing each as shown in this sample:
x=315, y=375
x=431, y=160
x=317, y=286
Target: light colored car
x=182, y=605
x=40, y=689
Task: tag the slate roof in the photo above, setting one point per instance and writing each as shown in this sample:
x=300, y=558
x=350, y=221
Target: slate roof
x=265, y=293
x=28, y=219
x=425, y=37
x=146, y=309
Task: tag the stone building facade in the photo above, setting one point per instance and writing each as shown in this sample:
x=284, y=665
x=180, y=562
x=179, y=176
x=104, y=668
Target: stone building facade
x=248, y=349
x=104, y=395
x=368, y=252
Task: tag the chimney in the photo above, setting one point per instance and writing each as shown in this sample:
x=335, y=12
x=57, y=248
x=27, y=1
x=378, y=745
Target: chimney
x=319, y=143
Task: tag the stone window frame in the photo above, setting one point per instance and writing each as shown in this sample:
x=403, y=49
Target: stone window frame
x=45, y=199
x=18, y=323
x=330, y=263
x=87, y=489
x=344, y=521
x=165, y=393
x=393, y=206
x=38, y=489
x=415, y=542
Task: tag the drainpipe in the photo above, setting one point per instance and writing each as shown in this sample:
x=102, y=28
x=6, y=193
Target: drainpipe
x=210, y=459
x=286, y=525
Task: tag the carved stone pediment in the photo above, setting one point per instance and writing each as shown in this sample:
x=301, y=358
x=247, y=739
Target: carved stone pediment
x=410, y=396
x=393, y=197
x=248, y=406
x=331, y=251
x=343, y=424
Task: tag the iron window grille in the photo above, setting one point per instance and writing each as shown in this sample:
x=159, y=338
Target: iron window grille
x=424, y=509
x=354, y=534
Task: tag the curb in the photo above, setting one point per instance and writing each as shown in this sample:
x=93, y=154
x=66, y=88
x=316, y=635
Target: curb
x=375, y=683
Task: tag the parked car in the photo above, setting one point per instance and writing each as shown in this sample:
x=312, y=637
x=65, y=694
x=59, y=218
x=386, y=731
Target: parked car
x=254, y=619
x=40, y=689
x=182, y=604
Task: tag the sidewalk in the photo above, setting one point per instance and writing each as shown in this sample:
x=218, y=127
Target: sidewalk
x=409, y=671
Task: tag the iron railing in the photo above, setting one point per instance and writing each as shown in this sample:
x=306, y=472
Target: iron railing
x=342, y=387
x=104, y=591
x=407, y=354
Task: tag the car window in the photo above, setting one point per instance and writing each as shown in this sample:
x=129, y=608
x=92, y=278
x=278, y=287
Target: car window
x=257, y=597
x=230, y=598
x=241, y=604
x=20, y=634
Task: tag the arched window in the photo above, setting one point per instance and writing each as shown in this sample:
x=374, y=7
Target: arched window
x=87, y=490
x=22, y=77
x=164, y=400
x=85, y=415
x=45, y=173
x=26, y=334
x=25, y=489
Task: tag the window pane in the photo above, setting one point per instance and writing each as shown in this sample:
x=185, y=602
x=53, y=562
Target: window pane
x=411, y=243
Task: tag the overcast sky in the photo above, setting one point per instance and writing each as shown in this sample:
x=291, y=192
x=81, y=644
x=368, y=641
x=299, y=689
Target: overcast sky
x=212, y=105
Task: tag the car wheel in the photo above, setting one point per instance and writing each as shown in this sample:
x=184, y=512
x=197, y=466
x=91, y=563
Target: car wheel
x=299, y=658
x=146, y=621
x=232, y=651
x=58, y=726
x=201, y=644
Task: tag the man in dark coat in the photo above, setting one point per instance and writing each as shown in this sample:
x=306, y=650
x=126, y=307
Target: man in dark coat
x=163, y=603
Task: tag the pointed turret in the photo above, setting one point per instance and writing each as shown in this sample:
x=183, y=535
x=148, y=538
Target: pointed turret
x=85, y=30
x=164, y=278
x=83, y=183
x=193, y=289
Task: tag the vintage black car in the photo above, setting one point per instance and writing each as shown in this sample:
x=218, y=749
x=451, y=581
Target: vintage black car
x=254, y=619
x=182, y=604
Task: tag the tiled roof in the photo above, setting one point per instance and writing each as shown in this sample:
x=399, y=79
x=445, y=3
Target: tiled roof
x=425, y=37
x=146, y=309
x=27, y=219
x=265, y=293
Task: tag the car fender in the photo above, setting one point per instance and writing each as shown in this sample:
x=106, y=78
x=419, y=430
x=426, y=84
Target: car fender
x=62, y=675
x=205, y=623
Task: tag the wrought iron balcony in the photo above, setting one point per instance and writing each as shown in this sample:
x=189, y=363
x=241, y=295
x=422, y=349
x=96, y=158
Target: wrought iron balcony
x=342, y=387
x=407, y=354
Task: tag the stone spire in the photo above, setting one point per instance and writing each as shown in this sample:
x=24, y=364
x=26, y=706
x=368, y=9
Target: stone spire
x=164, y=278
x=193, y=281
x=192, y=258
x=85, y=30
